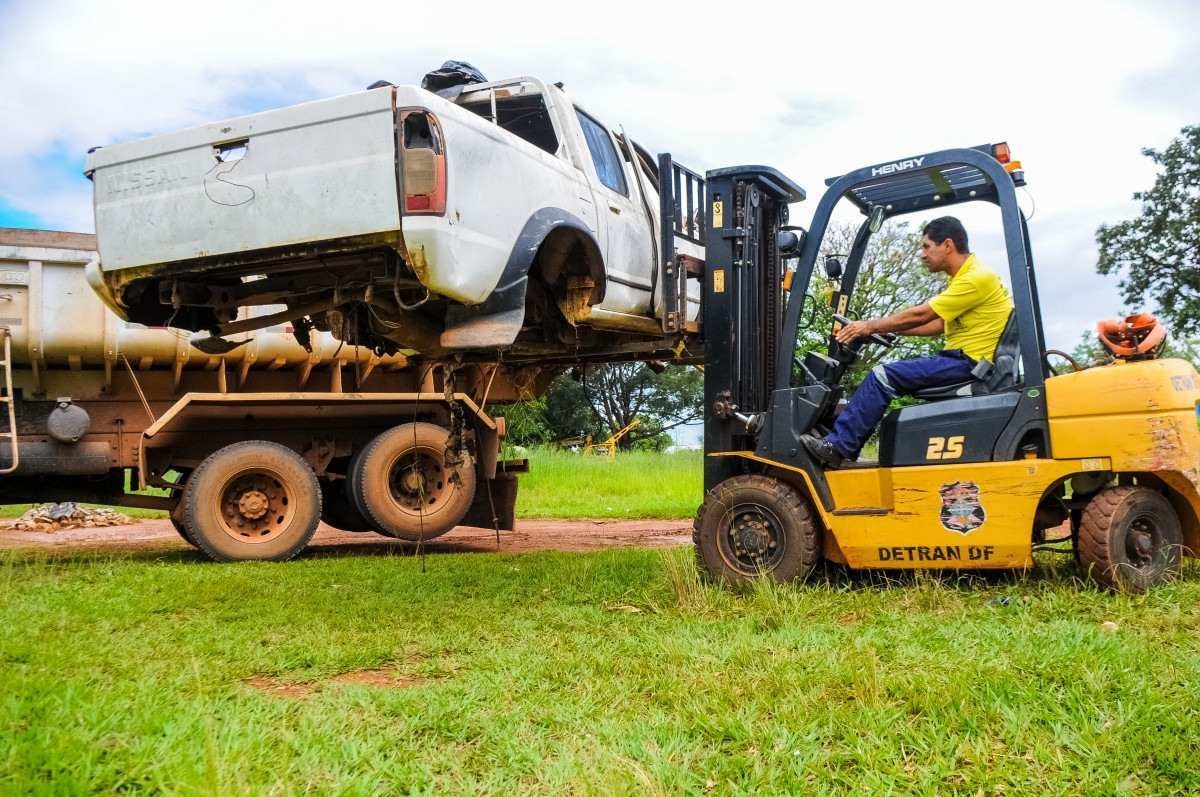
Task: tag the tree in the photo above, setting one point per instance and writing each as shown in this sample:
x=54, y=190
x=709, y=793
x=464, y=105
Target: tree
x=891, y=278
x=662, y=400
x=1157, y=254
x=606, y=398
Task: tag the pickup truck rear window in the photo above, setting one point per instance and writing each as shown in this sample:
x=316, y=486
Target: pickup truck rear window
x=523, y=116
x=604, y=154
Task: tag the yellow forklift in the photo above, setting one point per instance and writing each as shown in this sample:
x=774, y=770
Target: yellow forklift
x=977, y=476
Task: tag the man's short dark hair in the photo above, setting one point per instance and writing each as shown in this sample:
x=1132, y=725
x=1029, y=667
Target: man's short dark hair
x=945, y=227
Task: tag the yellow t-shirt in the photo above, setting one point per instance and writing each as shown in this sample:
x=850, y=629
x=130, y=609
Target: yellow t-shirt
x=975, y=307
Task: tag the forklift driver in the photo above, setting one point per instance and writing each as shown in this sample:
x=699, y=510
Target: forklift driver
x=971, y=312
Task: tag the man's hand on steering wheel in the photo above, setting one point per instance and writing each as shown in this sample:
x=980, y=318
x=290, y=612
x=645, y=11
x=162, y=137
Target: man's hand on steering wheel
x=853, y=330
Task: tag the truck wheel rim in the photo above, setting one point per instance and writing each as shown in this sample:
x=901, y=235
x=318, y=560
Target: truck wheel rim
x=256, y=506
x=752, y=539
x=418, y=481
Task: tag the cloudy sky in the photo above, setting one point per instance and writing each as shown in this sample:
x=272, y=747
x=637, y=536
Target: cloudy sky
x=1077, y=90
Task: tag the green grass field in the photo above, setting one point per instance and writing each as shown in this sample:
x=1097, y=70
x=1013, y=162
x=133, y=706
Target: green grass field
x=638, y=484
x=612, y=672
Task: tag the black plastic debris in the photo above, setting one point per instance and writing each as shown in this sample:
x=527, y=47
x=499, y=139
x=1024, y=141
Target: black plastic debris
x=448, y=81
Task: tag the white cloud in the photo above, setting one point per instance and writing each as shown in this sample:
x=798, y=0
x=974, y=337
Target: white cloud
x=814, y=91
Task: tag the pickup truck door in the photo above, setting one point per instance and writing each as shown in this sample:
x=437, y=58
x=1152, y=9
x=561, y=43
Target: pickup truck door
x=621, y=221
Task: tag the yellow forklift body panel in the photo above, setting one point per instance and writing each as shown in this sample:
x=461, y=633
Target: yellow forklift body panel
x=977, y=515
x=1142, y=415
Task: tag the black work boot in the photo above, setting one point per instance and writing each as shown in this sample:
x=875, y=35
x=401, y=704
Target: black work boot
x=822, y=450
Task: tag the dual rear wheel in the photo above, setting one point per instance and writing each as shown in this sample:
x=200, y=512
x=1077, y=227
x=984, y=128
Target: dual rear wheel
x=407, y=484
x=261, y=500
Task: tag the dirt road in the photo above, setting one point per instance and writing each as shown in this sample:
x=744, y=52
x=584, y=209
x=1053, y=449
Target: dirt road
x=531, y=535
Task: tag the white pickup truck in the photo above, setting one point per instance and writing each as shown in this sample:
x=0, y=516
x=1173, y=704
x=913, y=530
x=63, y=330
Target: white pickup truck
x=509, y=218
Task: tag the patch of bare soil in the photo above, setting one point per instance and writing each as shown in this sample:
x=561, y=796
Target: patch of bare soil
x=530, y=535
x=272, y=686
x=382, y=679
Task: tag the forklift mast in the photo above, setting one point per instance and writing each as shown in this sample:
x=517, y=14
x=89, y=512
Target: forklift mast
x=743, y=308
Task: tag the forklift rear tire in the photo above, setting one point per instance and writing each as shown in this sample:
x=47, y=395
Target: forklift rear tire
x=755, y=526
x=1130, y=539
x=405, y=487
x=252, y=500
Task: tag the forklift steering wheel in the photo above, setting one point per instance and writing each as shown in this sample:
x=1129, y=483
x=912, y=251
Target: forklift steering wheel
x=887, y=339
x=1075, y=366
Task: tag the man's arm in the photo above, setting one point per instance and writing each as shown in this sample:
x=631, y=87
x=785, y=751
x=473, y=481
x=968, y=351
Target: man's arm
x=919, y=320
x=928, y=330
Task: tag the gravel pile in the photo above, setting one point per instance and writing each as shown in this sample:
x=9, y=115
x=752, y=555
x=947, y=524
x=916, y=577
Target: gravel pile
x=67, y=515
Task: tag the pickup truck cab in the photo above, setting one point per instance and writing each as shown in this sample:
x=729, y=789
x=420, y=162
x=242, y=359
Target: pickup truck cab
x=507, y=218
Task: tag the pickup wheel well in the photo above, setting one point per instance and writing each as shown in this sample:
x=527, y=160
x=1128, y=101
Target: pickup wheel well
x=567, y=253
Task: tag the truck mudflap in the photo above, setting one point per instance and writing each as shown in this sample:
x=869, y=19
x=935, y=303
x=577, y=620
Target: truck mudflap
x=322, y=170
x=495, y=503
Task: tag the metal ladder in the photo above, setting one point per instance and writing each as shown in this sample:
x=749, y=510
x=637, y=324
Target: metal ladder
x=8, y=399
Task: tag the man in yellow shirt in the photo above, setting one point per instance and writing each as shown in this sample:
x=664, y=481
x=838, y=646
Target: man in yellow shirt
x=971, y=312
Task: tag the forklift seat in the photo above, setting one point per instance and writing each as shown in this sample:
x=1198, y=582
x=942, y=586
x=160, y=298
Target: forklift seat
x=996, y=376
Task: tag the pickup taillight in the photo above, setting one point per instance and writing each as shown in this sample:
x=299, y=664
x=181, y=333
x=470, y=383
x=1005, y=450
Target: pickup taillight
x=424, y=163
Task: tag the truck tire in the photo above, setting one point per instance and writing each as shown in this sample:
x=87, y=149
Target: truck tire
x=1130, y=539
x=756, y=526
x=353, y=476
x=405, y=487
x=339, y=511
x=252, y=500
x=182, y=531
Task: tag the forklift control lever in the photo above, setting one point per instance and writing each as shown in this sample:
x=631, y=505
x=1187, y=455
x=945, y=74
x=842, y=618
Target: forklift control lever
x=887, y=339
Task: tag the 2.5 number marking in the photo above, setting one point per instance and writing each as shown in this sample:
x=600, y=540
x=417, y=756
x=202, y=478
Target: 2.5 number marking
x=945, y=447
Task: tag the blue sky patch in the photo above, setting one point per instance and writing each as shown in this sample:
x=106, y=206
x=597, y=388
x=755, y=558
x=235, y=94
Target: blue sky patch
x=15, y=217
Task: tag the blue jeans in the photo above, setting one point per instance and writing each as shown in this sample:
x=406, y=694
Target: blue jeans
x=885, y=382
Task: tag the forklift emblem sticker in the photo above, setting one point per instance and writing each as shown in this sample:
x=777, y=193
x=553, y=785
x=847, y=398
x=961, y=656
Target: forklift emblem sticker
x=961, y=510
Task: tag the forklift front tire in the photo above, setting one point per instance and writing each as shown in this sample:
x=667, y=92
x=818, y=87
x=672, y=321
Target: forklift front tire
x=1130, y=539
x=751, y=527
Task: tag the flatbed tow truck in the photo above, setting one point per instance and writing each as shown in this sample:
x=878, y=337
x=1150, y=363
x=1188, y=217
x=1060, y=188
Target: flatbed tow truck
x=975, y=477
